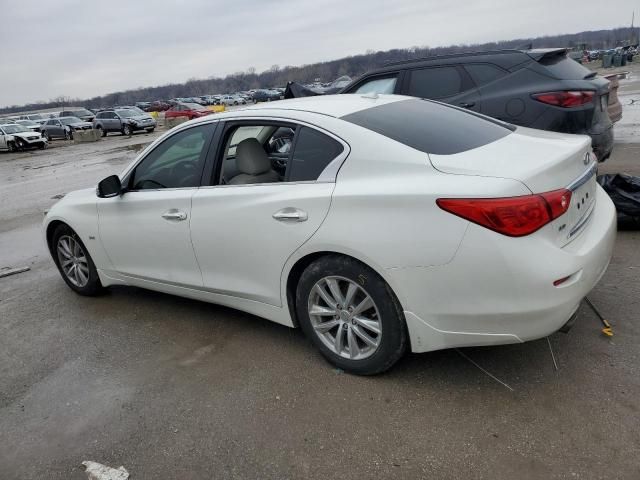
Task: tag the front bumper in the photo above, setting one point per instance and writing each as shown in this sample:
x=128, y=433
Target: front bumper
x=499, y=290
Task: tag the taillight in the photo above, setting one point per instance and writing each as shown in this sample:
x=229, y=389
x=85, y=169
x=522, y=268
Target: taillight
x=511, y=216
x=566, y=99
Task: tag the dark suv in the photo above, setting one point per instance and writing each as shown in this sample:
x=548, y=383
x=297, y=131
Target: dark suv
x=540, y=88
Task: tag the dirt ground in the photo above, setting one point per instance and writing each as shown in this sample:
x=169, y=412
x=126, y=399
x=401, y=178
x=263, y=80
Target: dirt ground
x=174, y=388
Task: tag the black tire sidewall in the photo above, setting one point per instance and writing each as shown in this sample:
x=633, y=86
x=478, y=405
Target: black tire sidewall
x=394, y=333
x=93, y=286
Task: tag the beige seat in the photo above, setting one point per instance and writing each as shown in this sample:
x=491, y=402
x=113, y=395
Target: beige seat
x=253, y=163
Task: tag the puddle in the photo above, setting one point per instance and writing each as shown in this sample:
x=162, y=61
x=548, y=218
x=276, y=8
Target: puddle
x=137, y=147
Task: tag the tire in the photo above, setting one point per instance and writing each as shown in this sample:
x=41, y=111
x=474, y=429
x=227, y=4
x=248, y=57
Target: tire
x=42, y=145
x=46, y=135
x=103, y=132
x=92, y=286
x=11, y=147
x=381, y=323
x=126, y=130
x=68, y=135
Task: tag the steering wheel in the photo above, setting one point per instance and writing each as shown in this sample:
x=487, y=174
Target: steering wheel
x=141, y=183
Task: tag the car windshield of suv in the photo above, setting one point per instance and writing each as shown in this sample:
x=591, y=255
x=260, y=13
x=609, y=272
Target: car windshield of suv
x=70, y=120
x=9, y=129
x=28, y=123
x=127, y=113
x=194, y=106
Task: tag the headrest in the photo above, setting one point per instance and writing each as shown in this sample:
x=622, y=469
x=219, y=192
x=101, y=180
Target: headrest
x=251, y=157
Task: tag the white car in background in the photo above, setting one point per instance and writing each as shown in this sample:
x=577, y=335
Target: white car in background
x=18, y=137
x=229, y=100
x=390, y=224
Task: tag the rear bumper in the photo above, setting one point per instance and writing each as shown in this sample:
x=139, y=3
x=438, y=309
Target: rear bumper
x=500, y=290
x=602, y=143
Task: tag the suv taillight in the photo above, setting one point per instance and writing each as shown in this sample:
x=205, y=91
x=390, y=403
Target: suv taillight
x=566, y=99
x=511, y=216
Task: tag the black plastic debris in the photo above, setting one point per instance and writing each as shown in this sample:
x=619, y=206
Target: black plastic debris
x=624, y=191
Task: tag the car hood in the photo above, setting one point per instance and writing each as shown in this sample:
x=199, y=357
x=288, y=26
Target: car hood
x=142, y=117
x=24, y=134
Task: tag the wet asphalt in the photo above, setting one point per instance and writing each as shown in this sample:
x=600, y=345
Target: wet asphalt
x=177, y=389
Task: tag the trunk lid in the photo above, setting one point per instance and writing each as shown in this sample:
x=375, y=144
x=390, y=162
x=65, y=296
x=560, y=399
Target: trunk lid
x=543, y=161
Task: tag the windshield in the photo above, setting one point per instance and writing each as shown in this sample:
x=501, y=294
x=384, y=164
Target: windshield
x=27, y=122
x=70, y=120
x=127, y=113
x=37, y=116
x=194, y=106
x=15, y=129
x=137, y=110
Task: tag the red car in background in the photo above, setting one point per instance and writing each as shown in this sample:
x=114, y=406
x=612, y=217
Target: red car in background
x=189, y=110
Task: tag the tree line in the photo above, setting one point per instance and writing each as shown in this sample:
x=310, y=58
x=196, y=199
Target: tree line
x=354, y=66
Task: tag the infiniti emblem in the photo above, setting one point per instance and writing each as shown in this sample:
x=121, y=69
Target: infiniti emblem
x=586, y=158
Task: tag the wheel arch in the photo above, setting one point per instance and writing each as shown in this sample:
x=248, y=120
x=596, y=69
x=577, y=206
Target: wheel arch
x=299, y=266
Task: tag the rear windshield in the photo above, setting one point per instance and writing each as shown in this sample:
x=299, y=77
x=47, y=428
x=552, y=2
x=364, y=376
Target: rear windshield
x=563, y=68
x=430, y=127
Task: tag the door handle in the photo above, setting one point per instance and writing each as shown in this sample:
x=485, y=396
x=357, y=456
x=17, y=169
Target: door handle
x=467, y=104
x=291, y=214
x=174, y=215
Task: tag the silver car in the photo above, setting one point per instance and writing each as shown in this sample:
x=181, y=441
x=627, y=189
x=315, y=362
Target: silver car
x=125, y=121
x=63, y=127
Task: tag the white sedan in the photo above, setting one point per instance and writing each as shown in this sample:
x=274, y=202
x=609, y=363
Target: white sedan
x=388, y=223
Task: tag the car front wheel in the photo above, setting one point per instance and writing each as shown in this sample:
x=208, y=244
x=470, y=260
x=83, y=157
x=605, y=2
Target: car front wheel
x=349, y=312
x=74, y=262
x=126, y=130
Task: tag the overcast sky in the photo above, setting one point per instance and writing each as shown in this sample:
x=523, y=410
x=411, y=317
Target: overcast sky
x=87, y=48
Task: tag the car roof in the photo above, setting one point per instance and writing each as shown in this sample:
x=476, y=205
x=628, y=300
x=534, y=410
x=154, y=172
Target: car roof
x=503, y=58
x=331, y=105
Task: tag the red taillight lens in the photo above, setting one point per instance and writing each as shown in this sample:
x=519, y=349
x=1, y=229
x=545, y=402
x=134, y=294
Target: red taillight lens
x=511, y=216
x=565, y=99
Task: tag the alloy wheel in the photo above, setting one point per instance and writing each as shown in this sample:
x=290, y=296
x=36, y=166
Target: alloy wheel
x=73, y=261
x=345, y=317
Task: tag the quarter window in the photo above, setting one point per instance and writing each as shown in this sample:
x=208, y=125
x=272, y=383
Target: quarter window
x=175, y=163
x=438, y=82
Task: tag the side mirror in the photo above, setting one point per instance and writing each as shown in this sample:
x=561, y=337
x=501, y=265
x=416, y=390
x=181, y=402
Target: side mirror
x=109, y=187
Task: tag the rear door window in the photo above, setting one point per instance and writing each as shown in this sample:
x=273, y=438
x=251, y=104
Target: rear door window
x=483, y=73
x=437, y=82
x=312, y=152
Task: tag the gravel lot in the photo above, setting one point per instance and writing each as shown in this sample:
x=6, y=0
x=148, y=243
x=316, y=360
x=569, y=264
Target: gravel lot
x=173, y=388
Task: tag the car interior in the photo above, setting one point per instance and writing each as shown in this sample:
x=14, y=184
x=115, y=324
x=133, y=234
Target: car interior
x=256, y=154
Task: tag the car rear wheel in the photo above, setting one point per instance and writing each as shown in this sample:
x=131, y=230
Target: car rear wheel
x=74, y=262
x=102, y=131
x=352, y=316
x=46, y=135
